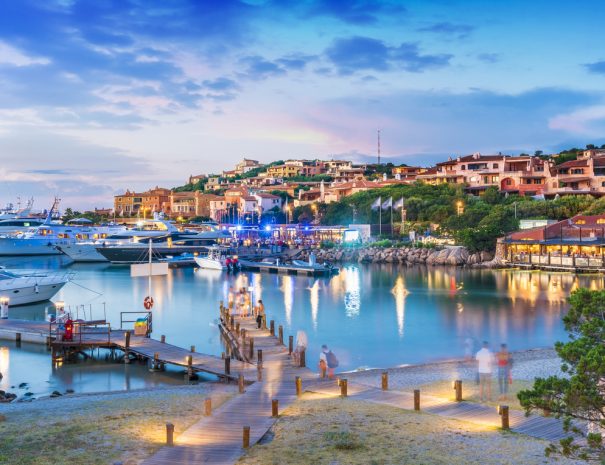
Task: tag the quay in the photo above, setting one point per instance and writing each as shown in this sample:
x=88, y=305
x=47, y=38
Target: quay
x=290, y=268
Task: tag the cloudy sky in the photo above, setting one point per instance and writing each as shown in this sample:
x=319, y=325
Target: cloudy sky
x=101, y=95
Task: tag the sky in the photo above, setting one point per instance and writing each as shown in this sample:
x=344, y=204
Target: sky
x=100, y=96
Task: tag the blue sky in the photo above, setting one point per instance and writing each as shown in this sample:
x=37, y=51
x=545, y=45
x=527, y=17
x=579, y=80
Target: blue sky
x=99, y=96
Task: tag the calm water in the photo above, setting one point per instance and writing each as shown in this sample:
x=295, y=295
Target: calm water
x=371, y=316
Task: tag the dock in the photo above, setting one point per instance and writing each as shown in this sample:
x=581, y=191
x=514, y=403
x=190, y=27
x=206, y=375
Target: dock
x=289, y=268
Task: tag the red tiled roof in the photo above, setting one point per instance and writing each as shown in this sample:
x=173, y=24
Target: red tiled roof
x=572, y=164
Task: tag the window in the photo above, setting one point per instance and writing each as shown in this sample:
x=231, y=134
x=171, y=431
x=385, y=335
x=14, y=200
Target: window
x=577, y=171
x=463, y=167
x=601, y=221
x=580, y=222
x=509, y=182
x=495, y=166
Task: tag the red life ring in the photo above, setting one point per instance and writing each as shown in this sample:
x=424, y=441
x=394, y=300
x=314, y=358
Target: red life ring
x=148, y=302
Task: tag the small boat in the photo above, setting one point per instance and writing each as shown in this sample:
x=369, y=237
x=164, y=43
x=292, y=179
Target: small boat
x=218, y=258
x=23, y=287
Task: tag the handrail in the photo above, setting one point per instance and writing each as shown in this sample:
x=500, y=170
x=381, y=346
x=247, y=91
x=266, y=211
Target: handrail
x=148, y=316
x=79, y=335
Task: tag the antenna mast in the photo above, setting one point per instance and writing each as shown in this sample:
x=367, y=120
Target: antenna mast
x=379, y=146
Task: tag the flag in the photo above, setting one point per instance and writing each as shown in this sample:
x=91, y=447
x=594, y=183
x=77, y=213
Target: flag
x=399, y=203
x=388, y=203
x=376, y=204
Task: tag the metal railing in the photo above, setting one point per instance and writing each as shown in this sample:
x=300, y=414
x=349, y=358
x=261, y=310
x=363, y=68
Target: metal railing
x=97, y=332
x=148, y=316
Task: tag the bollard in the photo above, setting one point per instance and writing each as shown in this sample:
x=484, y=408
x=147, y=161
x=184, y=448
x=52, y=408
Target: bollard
x=243, y=334
x=259, y=356
x=223, y=355
x=227, y=366
x=207, y=406
x=163, y=339
x=169, y=434
x=246, y=439
x=298, y=386
x=385, y=380
x=503, y=411
x=189, y=361
x=240, y=383
x=126, y=346
x=303, y=360
x=290, y=344
x=274, y=408
x=192, y=348
x=237, y=328
x=343, y=387
x=251, y=348
x=264, y=322
x=416, y=399
x=281, y=334
x=272, y=328
x=18, y=339
x=259, y=372
x=458, y=389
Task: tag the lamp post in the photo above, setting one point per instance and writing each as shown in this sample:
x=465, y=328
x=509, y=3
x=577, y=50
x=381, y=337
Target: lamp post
x=4, y=308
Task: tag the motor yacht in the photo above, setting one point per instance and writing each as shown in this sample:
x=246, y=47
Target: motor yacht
x=25, y=287
x=215, y=259
x=14, y=226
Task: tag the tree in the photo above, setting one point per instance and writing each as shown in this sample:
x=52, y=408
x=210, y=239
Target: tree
x=580, y=394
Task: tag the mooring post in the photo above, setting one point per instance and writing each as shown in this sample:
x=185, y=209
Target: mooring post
x=416, y=399
x=246, y=438
x=290, y=345
x=169, y=434
x=281, y=334
x=272, y=328
x=126, y=347
x=251, y=348
x=259, y=372
x=274, y=408
x=259, y=356
x=458, y=389
x=189, y=366
x=227, y=366
x=302, y=356
x=192, y=348
x=264, y=322
x=240, y=383
x=503, y=411
x=207, y=406
x=385, y=380
x=237, y=329
x=18, y=339
x=163, y=339
x=298, y=381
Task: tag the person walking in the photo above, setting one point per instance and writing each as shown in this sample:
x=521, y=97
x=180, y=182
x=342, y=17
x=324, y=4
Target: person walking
x=504, y=362
x=485, y=366
x=260, y=313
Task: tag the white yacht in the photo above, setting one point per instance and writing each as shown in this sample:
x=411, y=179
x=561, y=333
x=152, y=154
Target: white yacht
x=216, y=259
x=22, y=287
x=9, y=212
x=42, y=240
x=14, y=226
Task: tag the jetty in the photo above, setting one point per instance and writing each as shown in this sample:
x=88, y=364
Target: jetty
x=288, y=268
x=99, y=334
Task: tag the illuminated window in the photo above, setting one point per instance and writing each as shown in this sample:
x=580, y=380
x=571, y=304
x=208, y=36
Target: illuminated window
x=601, y=221
x=580, y=222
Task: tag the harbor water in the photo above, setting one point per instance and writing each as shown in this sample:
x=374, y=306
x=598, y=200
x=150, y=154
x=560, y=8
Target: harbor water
x=371, y=316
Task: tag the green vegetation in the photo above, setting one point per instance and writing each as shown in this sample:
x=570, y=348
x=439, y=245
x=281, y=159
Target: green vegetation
x=70, y=214
x=580, y=395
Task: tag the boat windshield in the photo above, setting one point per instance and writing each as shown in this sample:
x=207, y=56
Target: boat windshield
x=150, y=226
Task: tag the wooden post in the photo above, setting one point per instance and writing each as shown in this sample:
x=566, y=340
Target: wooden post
x=458, y=388
x=259, y=356
x=207, y=406
x=251, y=340
x=504, y=414
x=163, y=339
x=272, y=328
x=290, y=345
x=259, y=372
x=546, y=412
x=192, y=348
x=303, y=360
x=18, y=339
x=385, y=380
x=240, y=383
x=274, y=408
x=298, y=386
x=416, y=399
x=264, y=323
x=237, y=328
x=169, y=434
x=48, y=342
x=227, y=366
x=281, y=334
x=126, y=346
x=343, y=387
x=246, y=438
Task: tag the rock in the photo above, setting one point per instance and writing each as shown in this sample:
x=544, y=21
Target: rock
x=28, y=394
x=22, y=385
x=69, y=391
x=56, y=394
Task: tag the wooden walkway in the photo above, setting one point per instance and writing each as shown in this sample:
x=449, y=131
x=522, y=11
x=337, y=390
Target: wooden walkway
x=536, y=426
x=145, y=347
x=218, y=439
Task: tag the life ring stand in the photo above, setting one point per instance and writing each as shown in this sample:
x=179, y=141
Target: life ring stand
x=148, y=302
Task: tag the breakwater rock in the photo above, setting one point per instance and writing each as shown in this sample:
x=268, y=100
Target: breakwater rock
x=449, y=256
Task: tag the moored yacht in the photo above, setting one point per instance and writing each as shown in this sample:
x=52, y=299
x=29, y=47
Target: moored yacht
x=18, y=225
x=22, y=287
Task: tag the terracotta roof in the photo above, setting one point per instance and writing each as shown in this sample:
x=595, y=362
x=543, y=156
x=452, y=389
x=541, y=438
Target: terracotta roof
x=572, y=164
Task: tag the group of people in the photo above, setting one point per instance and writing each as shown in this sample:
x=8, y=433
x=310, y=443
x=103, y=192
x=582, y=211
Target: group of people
x=240, y=303
x=487, y=363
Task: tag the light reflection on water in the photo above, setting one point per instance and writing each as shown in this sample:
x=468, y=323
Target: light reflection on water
x=375, y=315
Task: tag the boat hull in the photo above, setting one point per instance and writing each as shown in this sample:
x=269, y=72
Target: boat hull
x=11, y=247
x=210, y=264
x=82, y=253
x=32, y=291
x=126, y=255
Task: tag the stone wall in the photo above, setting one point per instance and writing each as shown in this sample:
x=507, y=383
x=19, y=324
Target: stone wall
x=451, y=255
